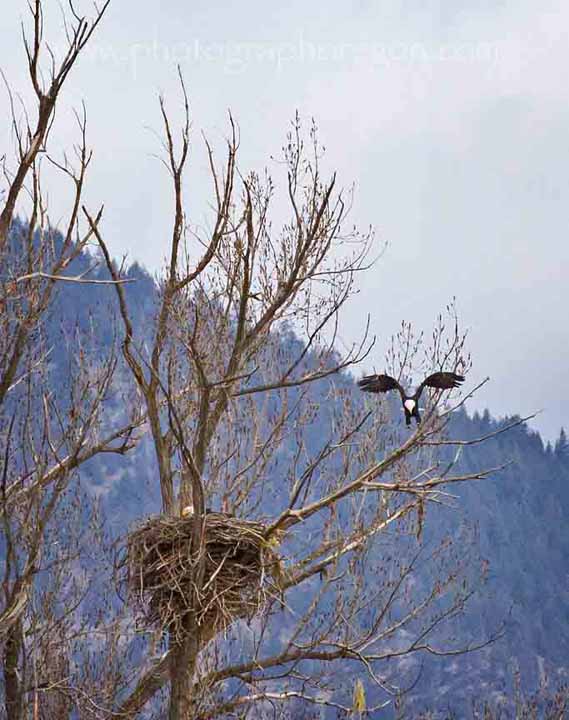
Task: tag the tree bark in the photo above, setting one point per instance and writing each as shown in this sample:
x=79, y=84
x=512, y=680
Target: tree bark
x=13, y=690
x=182, y=667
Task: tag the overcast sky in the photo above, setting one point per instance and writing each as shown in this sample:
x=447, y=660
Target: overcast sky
x=451, y=117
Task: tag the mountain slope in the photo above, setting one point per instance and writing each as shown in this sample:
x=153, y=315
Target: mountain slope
x=518, y=521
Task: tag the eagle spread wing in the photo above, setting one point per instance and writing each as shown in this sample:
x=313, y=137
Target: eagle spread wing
x=379, y=384
x=441, y=381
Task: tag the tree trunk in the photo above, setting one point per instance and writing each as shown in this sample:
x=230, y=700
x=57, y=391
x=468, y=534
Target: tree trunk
x=13, y=690
x=182, y=667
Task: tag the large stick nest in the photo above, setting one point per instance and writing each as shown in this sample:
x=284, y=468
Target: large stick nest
x=241, y=571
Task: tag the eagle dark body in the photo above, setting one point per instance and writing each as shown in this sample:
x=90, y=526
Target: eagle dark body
x=385, y=383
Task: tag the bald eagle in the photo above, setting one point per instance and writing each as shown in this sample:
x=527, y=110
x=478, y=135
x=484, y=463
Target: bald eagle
x=384, y=383
x=189, y=510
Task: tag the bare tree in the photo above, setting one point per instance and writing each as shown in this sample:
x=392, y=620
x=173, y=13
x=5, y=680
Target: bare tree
x=242, y=417
x=44, y=436
x=218, y=361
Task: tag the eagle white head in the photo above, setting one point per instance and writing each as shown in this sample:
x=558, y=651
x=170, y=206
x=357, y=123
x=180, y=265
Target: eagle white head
x=188, y=510
x=410, y=404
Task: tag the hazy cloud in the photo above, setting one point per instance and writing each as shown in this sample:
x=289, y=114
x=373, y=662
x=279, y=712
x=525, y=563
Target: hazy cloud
x=450, y=116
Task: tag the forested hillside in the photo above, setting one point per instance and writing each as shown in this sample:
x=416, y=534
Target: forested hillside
x=510, y=526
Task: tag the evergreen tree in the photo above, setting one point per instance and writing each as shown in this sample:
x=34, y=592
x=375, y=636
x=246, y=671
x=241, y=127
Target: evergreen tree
x=562, y=445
